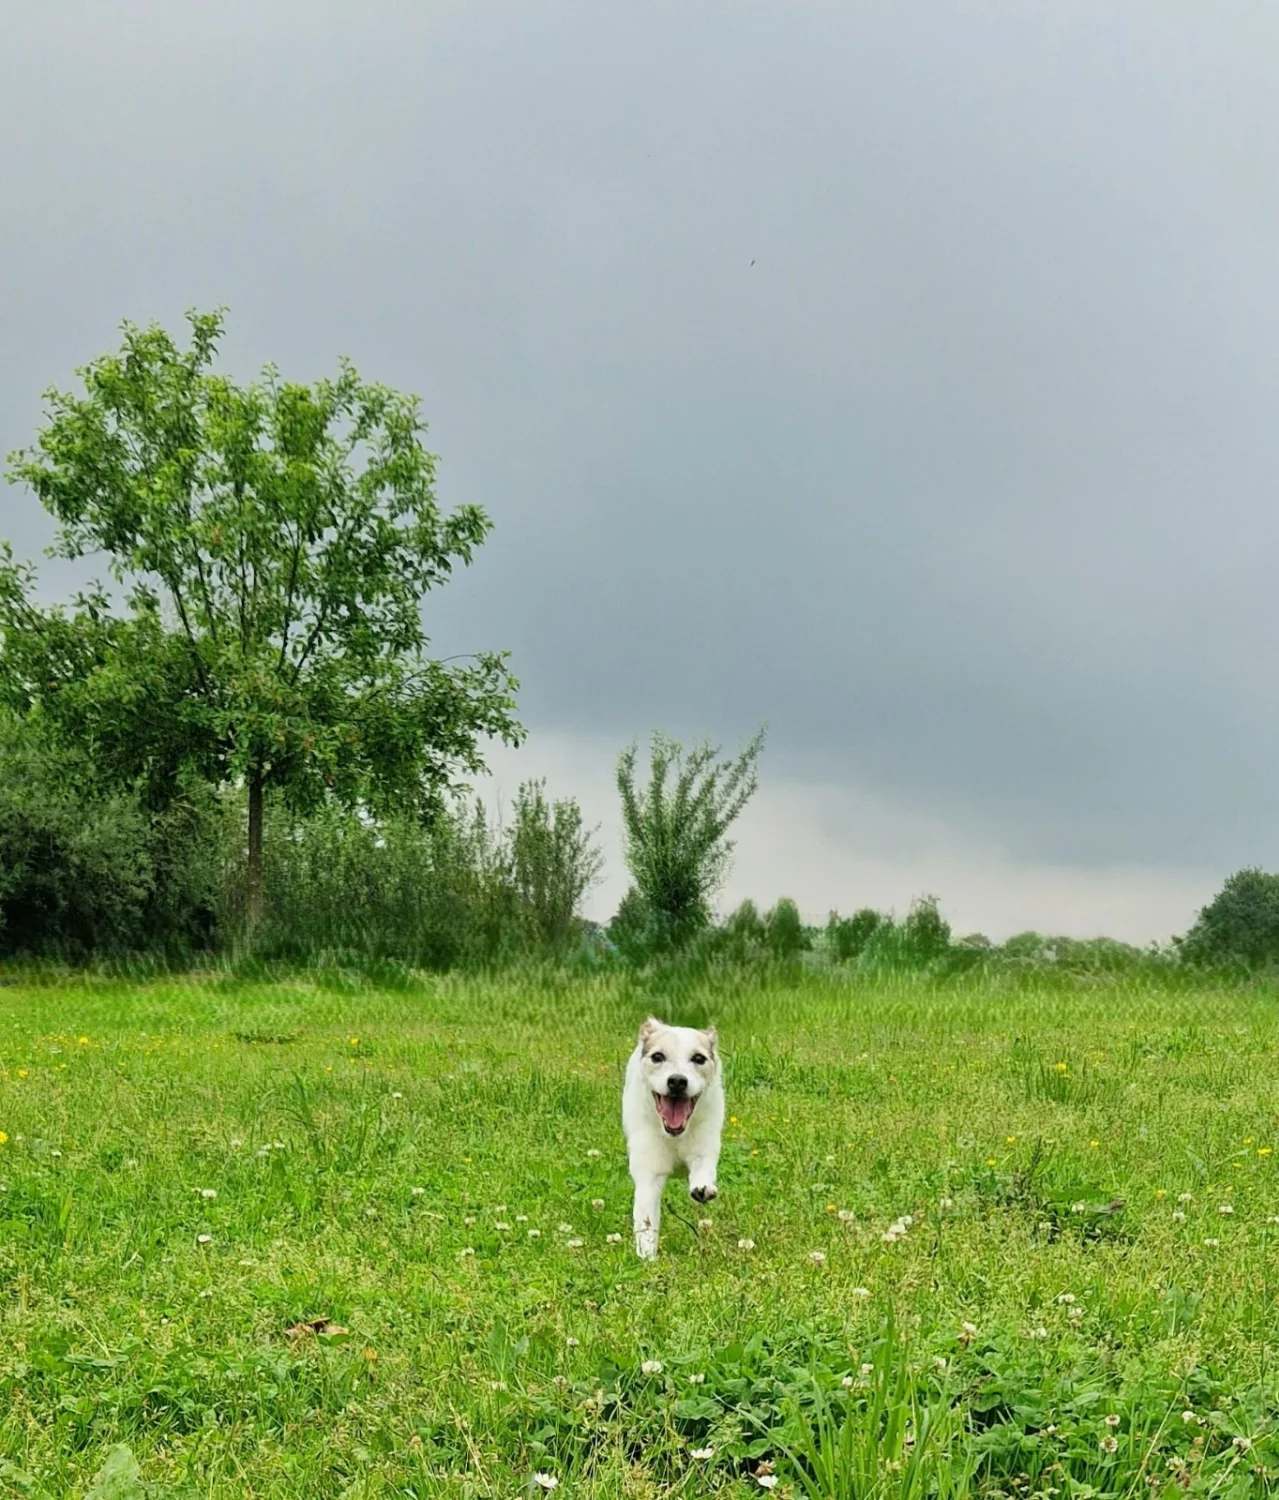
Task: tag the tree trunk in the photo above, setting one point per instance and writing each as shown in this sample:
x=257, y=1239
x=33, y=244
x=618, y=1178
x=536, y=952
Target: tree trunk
x=253, y=891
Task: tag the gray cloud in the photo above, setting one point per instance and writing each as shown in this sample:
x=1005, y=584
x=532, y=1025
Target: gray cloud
x=963, y=484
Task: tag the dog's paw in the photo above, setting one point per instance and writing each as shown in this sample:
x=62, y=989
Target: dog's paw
x=703, y=1192
x=646, y=1245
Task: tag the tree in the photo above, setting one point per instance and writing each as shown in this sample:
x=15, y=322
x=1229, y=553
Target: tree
x=846, y=937
x=553, y=862
x=784, y=930
x=1240, y=925
x=675, y=835
x=275, y=541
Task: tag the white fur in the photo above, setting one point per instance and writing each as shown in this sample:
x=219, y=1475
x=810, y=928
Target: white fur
x=661, y=1053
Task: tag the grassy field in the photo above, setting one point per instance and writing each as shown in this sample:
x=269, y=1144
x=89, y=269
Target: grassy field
x=318, y=1239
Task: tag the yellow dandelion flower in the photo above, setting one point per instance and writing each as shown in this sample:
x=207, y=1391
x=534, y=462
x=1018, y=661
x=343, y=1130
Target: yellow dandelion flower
x=4, y=1139
x=1094, y=1144
x=83, y=1041
x=23, y=1073
x=1010, y=1140
x=1264, y=1150
x=990, y=1161
x=1161, y=1192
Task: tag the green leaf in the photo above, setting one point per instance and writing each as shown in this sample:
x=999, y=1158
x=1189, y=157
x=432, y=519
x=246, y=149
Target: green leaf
x=119, y=1478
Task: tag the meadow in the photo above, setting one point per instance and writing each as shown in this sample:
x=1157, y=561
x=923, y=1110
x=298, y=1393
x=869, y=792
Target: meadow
x=314, y=1236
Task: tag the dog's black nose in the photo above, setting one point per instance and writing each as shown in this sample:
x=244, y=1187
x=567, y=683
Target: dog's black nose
x=677, y=1084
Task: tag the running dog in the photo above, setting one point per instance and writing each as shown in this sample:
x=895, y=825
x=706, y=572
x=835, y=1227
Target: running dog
x=673, y=1117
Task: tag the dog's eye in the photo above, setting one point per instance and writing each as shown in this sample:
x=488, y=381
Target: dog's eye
x=699, y=1058
x=658, y=1057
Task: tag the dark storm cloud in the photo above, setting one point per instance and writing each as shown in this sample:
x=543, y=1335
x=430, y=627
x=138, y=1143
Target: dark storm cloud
x=902, y=375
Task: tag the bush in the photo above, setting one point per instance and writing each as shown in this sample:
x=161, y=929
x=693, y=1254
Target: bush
x=925, y=932
x=846, y=937
x=1239, y=926
x=85, y=871
x=784, y=932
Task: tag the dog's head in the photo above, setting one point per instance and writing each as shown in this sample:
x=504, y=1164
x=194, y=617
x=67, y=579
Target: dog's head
x=679, y=1064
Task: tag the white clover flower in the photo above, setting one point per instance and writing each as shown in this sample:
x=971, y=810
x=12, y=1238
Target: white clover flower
x=501, y=1224
x=1111, y=1420
x=521, y=1218
x=1189, y=1417
x=1242, y=1443
x=547, y=1481
x=1075, y=1314
x=469, y=1250
x=701, y=1453
x=535, y=1234
x=860, y=1292
x=1178, y=1217
x=592, y=1152
x=417, y=1191
x=613, y=1239
x=945, y=1204
x=397, y=1095
x=573, y=1244
x=817, y=1257
x=208, y=1192
x=1109, y=1445
x=1212, y=1244
x=597, y=1203
x=1226, y=1209
x=845, y=1216
x=564, y=1228
x=1185, y=1197
x=865, y=1369
x=938, y=1362
x=847, y=1382
x=746, y=1244
x=204, y=1239
x=1037, y=1333
x=1066, y=1297
x=697, y=1380
x=652, y=1367
x=766, y=1481
x=469, y=1220
x=572, y=1343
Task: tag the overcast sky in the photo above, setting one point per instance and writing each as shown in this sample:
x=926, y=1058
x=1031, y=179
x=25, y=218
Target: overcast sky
x=903, y=375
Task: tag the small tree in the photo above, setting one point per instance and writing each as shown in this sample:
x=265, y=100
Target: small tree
x=553, y=862
x=846, y=937
x=675, y=829
x=925, y=932
x=1240, y=925
x=784, y=930
x=276, y=541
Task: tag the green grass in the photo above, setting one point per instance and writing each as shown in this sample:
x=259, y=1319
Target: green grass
x=366, y=1147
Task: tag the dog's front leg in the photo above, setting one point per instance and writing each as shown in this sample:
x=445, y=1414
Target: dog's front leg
x=648, y=1212
x=702, y=1173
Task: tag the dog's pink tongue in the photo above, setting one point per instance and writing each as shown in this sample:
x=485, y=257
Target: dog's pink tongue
x=674, y=1112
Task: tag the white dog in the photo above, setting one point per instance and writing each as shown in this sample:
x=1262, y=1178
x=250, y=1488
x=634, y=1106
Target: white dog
x=673, y=1116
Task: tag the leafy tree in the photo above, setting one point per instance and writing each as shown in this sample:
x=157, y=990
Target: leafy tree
x=1240, y=925
x=553, y=862
x=275, y=541
x=675, y=829
x=784, y=930
x=846, y=937
x=925, y=931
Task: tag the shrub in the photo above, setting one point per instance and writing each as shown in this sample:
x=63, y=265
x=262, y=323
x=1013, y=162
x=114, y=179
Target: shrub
x=784, y=931
x=846, y=937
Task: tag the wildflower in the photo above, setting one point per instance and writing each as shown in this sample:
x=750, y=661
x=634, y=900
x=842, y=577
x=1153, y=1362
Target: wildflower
x=1061, y=1067
x=967, y=1333
x=746, y=1244
x=397, y=1095
x=24, y=1073
x=945, y=1204
x=597, y=1203
x=468, y=1251
x=83, y=1041
x=1093, y=1145
x=1226, y=1210
x=860, y=1292
x=572, y=1343
x=1066, y=1297
x=817, y=1257
x=1264, y=1150
x=611, y=1239
x=1109, y=1445
x=547, y=1481
x=706, y=1224
x=208, y=1192
x=354, y=1041
x=417, y=1191
x=565, y=1228
x=501, y=1224
x=733, y=1120
x=1010, y=1140
x=651, y=1367
x=866, y=1369
x=905, y=1221
x=697, y=1380
x=1185, y=1197
x=1242, y=1444
x=573, y=1244
x=1189, y=1417
x=766, y=1481
x=1178, y=1217
x=469, y=1220
x=1075, y=1314
x=701, y=1452
x=535, y=1234
x=890, y=1237
x=938, y=1362
x=847, y=1382
x=204, y=1239
x=1112, y=1420
x=991, y=1162
x=592, y=1152
x=4, y=1139
x=499, y=1208
x=236, y=1143
x=1037, y=1333
x=1212, y=1244
x=1273, y=1219
x=845, y=1216
x=521, y=1218
x=1079, y=1207
x=830, y=1208
x=1161, y=1192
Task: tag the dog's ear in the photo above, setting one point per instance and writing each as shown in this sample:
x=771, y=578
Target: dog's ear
x=712, y=1041
x=648, y=1031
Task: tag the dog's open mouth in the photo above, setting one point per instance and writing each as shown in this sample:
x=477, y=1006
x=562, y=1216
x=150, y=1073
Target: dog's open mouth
x=675, y=1113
